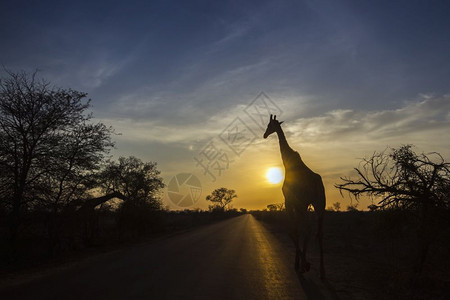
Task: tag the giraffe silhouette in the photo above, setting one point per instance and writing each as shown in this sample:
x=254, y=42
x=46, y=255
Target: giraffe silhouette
x=301, y=188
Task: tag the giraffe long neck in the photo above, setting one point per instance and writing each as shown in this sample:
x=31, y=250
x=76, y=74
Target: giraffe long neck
x=285, y=149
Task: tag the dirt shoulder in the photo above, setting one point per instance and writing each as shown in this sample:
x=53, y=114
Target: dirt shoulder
x=364, y=260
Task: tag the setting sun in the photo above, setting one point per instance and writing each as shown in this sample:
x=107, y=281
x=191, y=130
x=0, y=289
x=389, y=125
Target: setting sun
x=274, y=175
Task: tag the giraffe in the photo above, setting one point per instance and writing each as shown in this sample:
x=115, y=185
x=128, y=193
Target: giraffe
x=301, y=188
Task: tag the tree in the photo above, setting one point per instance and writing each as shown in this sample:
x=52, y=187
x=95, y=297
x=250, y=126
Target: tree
x=276, y=207
x=272, y=207
x=221, y=198
x=402, y=179
x=72, y=173
x=352, y=207
x=48, y=146
x=140, y=183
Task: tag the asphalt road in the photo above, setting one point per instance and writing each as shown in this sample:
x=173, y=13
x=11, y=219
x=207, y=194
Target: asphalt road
x=233, y=259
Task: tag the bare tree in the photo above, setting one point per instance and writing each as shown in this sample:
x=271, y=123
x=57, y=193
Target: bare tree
x=402, y=179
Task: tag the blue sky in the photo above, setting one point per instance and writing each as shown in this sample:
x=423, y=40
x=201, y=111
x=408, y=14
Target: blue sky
x=170, y=75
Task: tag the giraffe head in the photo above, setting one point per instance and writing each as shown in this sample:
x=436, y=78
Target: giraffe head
x=273, y=126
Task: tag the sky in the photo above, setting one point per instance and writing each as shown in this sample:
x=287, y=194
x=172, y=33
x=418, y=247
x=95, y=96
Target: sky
x=183, y=82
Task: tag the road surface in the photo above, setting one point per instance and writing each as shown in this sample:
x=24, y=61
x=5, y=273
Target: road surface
x=233, y=259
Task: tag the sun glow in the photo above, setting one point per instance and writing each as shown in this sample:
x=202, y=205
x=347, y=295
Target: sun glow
x=274, y=175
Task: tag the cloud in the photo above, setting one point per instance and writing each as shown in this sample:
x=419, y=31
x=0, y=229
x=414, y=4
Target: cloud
x=173, y=128
x=414, y=119
x=150, y=131
x=416, y=122
x=234, y=32
x=94, y=73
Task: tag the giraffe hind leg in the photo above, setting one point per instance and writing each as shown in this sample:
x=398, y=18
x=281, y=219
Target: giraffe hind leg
x=294, y=234
x=320, y=236
x=298, y=252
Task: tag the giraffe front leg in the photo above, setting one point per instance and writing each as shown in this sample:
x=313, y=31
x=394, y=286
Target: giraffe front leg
x=295, y=239
x=294, y=233
x=304, y=237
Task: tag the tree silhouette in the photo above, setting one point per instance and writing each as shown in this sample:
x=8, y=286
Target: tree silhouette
x=276, y=207
x=140, y=183
x=352, y=207
x=221, y=198
x=402, y=179
x=48, y=146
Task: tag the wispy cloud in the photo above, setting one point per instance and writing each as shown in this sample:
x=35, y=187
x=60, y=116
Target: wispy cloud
x=93, y=74
x=403, y=124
